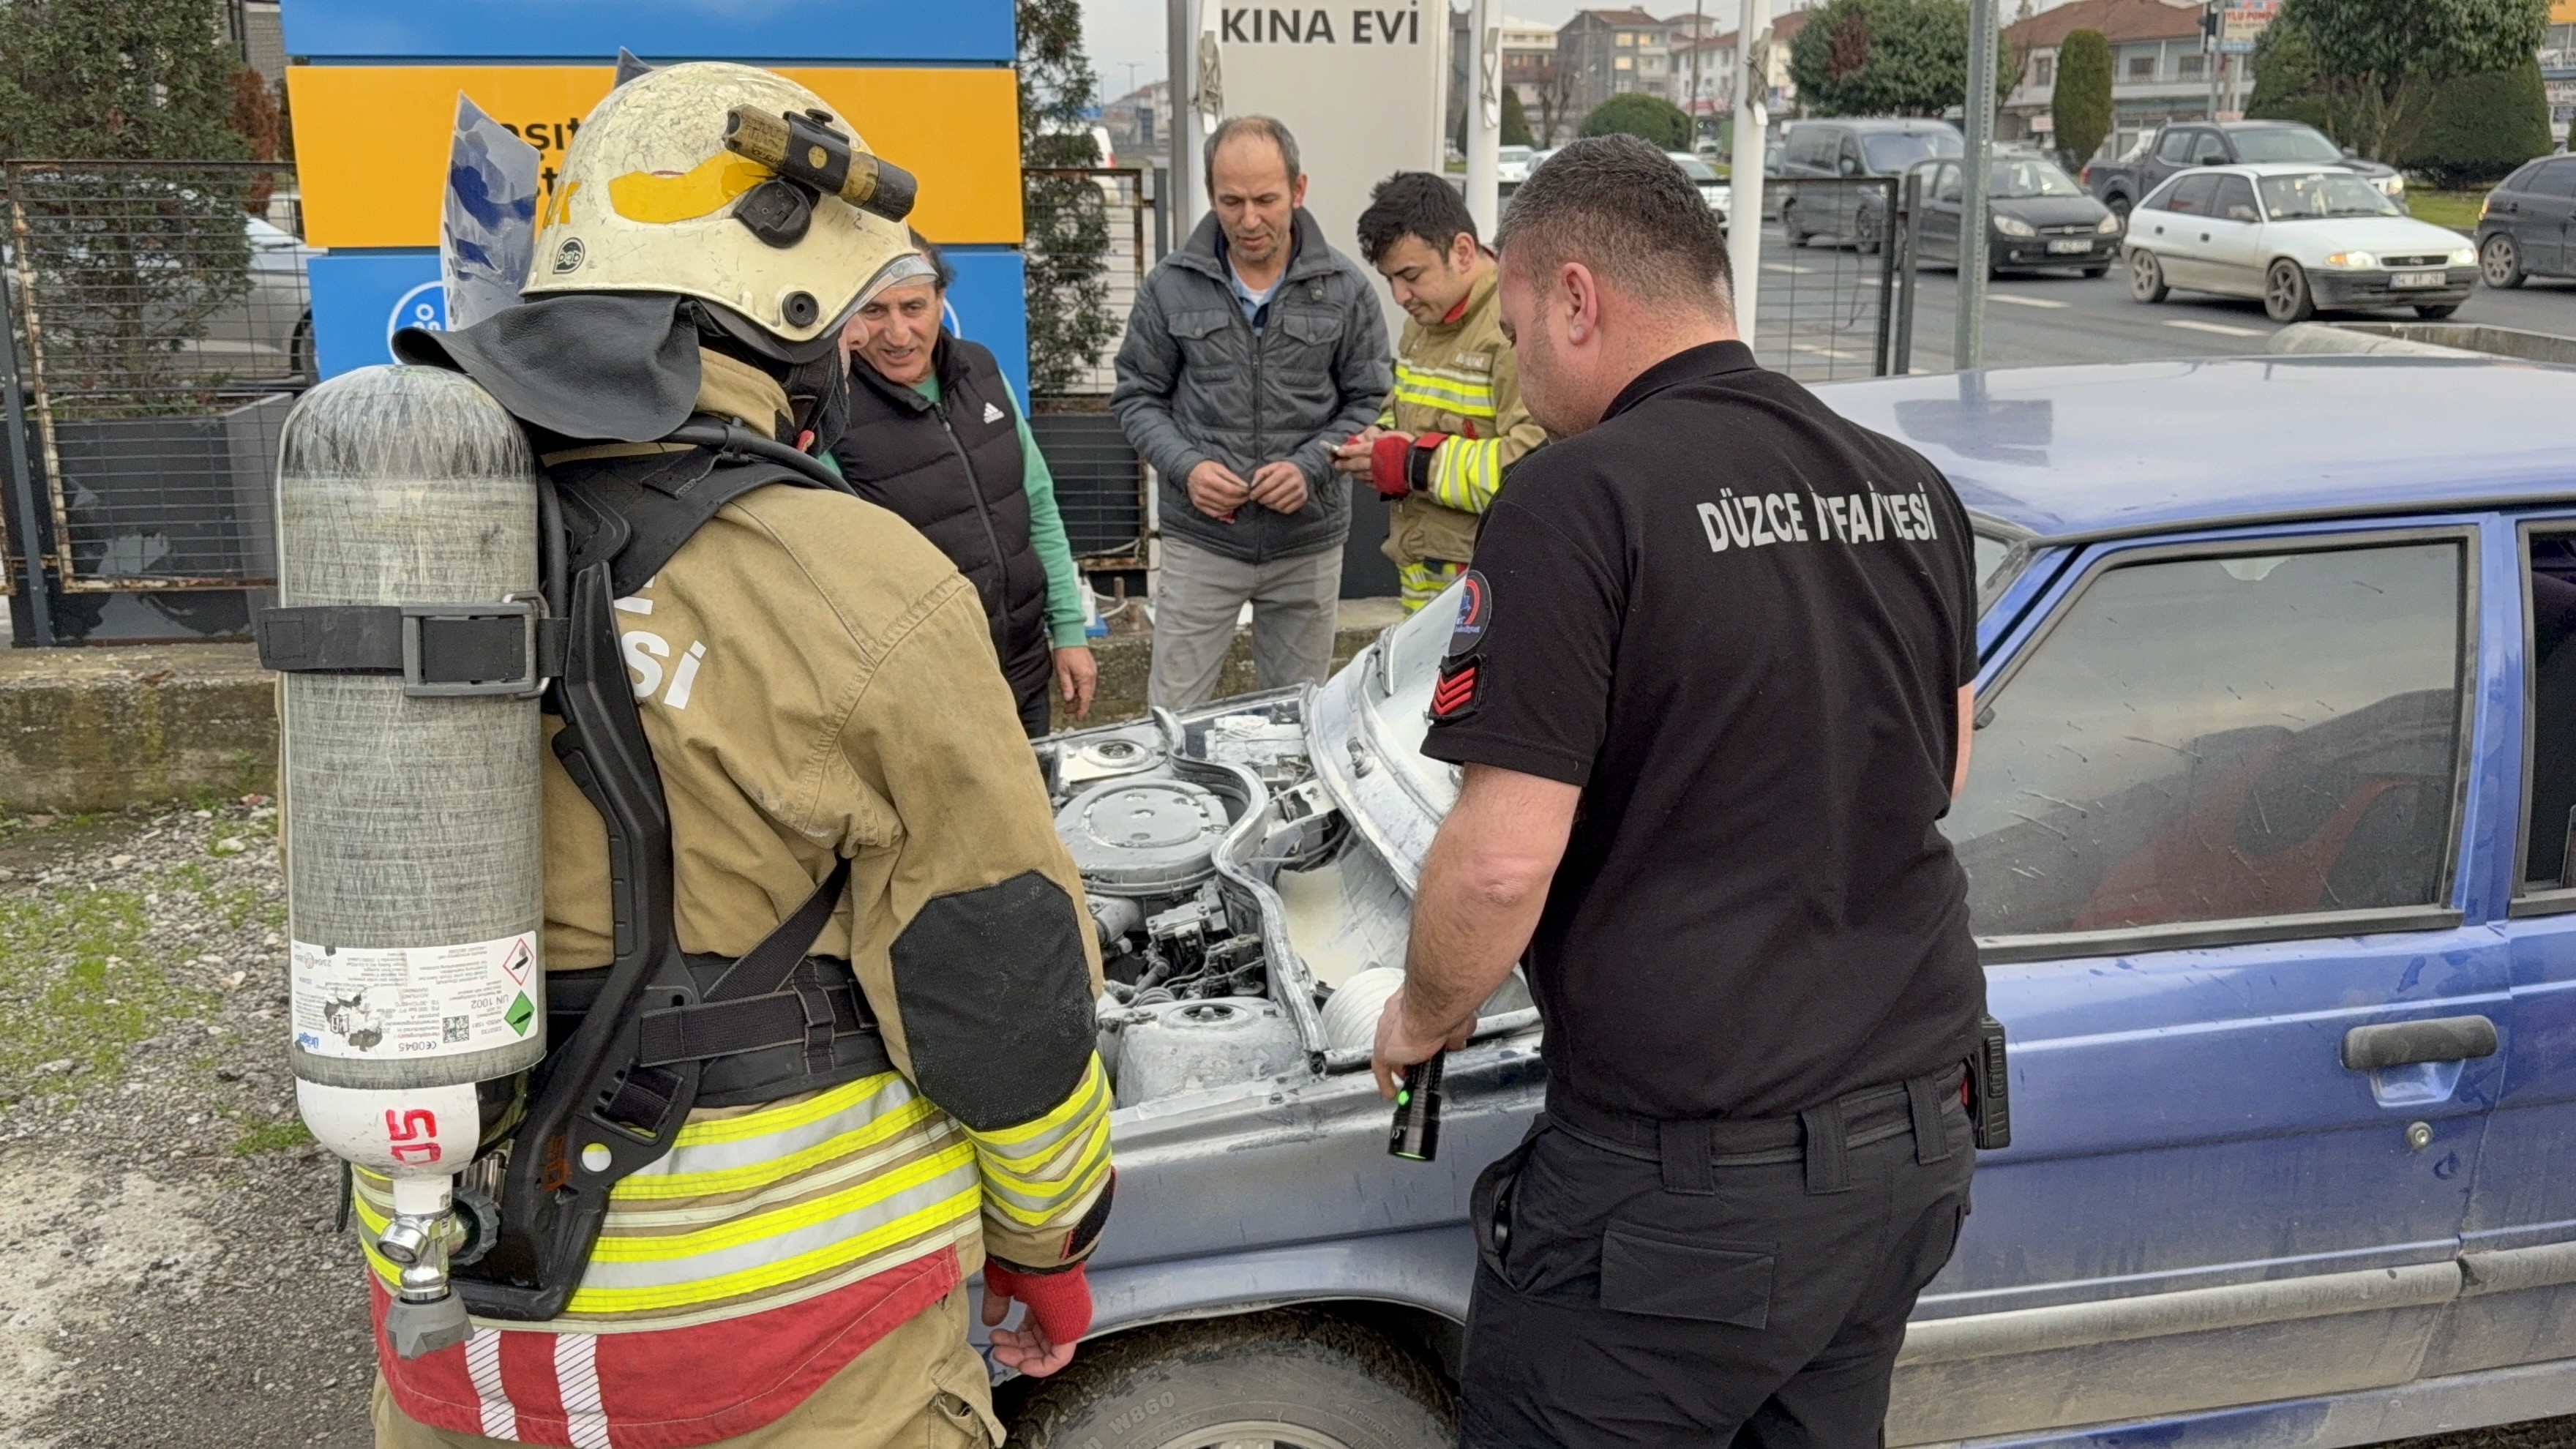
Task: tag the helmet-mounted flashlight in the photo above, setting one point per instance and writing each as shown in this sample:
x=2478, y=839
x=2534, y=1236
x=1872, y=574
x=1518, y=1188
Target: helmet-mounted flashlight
x=806, y=151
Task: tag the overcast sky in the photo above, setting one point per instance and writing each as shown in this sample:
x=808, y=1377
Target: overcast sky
x=1125, y=37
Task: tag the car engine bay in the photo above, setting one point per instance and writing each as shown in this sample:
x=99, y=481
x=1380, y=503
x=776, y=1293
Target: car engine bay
x=1249, y=866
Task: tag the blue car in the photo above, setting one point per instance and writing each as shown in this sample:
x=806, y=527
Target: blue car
x=2268, y=834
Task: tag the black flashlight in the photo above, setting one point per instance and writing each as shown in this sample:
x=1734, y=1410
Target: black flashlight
x=1416, y=1135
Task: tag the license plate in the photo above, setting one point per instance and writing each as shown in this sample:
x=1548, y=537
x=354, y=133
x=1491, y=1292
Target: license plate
x=2070, y=246
x=2414, y=279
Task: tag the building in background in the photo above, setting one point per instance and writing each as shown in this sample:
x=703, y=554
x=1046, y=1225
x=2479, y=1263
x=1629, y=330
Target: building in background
x=2159, y=72
x=1139, y=124
x=1609, y=53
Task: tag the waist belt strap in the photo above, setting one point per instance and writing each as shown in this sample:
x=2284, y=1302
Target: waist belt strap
x=752, y=1006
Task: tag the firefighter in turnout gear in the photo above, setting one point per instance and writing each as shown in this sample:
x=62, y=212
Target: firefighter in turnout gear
x=907, y=1091
x=1454, y=425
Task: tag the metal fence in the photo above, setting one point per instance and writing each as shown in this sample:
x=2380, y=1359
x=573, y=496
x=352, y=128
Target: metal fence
x=1835, y=297
x=1091, y=238
x=159, y=328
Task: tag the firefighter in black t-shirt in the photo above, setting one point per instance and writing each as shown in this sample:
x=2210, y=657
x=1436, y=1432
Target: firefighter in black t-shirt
x=1710, y=690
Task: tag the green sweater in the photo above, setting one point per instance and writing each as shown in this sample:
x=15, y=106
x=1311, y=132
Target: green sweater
x=1046, y=528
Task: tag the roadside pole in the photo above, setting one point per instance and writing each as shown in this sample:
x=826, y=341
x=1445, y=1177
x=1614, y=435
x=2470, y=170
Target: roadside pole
x=19, y=481
x=1744, y=209
x=1967, y=348
x=1484, y=114
x=1181, y=49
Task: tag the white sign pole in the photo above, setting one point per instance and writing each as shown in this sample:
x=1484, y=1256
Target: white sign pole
x=1752, y=114
x=1484, y=114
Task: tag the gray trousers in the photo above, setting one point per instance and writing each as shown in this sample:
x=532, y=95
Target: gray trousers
x=1199, y=597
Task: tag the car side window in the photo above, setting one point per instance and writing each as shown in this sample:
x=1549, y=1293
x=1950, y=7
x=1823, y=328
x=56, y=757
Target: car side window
x=2216, y=738
x=2549, y=811
x=2192, y=195
x=2558, y=178
x=2175, y=146
x=2234, y=200
x=2208, y=146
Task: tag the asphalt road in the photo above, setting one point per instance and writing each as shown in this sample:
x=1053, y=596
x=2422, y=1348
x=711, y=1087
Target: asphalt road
x=1817, y=303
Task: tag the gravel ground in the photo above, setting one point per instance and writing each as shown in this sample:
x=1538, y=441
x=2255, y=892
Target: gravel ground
x=172, y=1279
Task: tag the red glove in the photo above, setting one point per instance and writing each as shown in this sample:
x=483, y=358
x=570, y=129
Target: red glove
x=1386, y=464
x=1059, y=1303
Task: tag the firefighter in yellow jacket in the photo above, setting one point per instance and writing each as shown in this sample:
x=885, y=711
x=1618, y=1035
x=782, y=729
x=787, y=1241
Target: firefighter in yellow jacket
x=820, y=693
x=1454, y=423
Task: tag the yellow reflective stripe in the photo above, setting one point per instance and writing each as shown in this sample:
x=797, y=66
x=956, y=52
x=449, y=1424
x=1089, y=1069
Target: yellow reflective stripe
x=1046, y=1199
x=1423, y=582
x=908, y=1118
x=670, y=1247
x=1466, y=473
x=889, y=1136
x=1465, y=404
x=770, y=1275
x=775, y=1119
x=1082, y=1099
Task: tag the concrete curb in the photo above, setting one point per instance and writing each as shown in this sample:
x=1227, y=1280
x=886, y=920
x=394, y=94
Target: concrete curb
x=102, y=729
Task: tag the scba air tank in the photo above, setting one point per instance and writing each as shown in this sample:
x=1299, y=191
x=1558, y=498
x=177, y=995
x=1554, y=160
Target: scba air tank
x=411, y=813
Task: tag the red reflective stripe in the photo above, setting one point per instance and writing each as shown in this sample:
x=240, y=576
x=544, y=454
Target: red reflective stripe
x=654, y=1383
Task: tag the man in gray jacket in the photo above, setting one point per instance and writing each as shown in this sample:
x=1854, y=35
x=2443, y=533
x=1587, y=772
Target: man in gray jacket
x=1251, y=354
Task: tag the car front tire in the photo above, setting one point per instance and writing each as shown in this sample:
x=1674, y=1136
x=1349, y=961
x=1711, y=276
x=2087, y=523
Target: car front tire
x=2437, y=311
x=1296, y=1378
x=2147, y=277
x=2120, y=208
x=2092, y=272
x=1789, y=224
x=1866, y=233
x=2500, y=262
x=2287, y=298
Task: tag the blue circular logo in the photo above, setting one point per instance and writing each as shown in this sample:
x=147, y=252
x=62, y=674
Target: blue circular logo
x=422, y=306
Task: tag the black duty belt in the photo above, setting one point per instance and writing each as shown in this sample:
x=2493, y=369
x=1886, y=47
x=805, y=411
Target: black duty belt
x=1691, y=1149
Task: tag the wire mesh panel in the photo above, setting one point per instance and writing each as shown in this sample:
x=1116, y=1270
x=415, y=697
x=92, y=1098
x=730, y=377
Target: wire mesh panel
x=1828, y=290
x=1090, y=241
x=163, y=328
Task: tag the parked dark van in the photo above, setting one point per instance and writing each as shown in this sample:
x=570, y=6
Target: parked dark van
x=1855, y=150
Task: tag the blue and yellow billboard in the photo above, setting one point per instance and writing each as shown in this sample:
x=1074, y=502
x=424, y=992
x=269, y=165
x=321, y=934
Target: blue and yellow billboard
x=373, y=92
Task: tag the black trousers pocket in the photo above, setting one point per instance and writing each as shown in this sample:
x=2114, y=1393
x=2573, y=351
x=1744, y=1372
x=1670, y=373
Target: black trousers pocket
x=1489, y=1204
x=1660, y=1273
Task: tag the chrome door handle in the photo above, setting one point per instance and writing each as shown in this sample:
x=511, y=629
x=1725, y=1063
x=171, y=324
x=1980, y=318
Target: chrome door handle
x=2408, y=1043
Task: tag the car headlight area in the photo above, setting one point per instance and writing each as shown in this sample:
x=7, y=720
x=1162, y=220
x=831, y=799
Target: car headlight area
x=2014, y=226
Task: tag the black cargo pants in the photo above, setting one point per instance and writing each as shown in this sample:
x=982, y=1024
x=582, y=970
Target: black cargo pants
x=1709, y=1283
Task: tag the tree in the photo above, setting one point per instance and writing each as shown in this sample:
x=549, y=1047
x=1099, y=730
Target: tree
x=117, y=79
x=2285, y=82
x=132, y=263
x=1516, y=131
x=2081, y=103
x=1555, y=98
x=2379, y=64
x=2479, y=127
x=1065, y=246
x=1888, y=57
x=1637, y=114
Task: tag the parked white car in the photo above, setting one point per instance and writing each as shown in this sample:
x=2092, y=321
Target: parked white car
x=1512, y=164
x=1713, y=188
x=2299, y=238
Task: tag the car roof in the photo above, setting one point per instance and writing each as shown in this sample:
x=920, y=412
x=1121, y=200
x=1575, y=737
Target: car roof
x=2266, y=168
x=1881, y=123
x=2150, y=447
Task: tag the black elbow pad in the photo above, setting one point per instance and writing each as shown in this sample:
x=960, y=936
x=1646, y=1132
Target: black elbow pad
x=996, y=1000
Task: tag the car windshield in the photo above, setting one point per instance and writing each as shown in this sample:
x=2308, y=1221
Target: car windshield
x=2318, y=194
x=1696, y=169
x=2286, y=143
x=1898, y=150
x=2030, y=178
x=1511, y=153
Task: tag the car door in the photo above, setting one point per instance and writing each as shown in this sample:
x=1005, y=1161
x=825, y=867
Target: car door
x=2519, y=1243
x=2212, y=833
x=1844, y=195
x=2231, y=239
x=2541, y=222
x=2173, y=231
x=2172, y=154
x=1940, y=233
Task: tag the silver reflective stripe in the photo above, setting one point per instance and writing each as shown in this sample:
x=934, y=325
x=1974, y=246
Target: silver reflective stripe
x=760, y=1147
x=483, y=1366
x=577, y=1379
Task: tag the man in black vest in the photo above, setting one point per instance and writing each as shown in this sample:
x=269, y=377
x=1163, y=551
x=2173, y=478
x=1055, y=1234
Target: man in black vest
x=935, y=436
